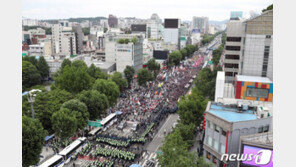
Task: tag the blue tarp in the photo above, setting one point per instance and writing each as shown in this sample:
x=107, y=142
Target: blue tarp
x=118, y=112
x=48, y=137
x=135, y=165
x=25, y=93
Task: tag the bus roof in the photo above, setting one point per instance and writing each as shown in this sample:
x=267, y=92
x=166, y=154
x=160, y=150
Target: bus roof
x=94, y=131
x=70, y=147
x=108, y=118
x=51, y=161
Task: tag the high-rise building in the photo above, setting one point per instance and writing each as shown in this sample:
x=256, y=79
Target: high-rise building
x=63, y=40
x=78, y=38
x=257, y=56
x=201, y=23
x=112, y=21
x=154, y=27
x=172, y=32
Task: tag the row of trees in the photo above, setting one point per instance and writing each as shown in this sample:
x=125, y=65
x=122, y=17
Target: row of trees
x=126, y=40
x=208, y=38
x=176, y=56
x=34, y=71
x=80, y=93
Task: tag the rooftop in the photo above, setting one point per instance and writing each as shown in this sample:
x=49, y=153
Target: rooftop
x=253, y=79
x=265, y=139
x=231, y=114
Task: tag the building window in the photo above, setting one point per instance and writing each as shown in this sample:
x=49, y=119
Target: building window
x=210, y=141
x=223, y=132
x=233, y=48
x=230, y=74
x=222, y=148
x=216, y=128
x=234, y=57
x=216, y=145
x=268, y=36
x=228, y=65
x=208, y=155
x=266, y=128
x=257, y=92
x=260, y=129
x=233, y=39
x=214, y=160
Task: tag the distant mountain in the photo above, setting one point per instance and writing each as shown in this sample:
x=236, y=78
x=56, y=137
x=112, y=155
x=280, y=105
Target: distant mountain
x=213, y=22
x=79, y=19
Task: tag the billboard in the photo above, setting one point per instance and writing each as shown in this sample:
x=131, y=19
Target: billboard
x=171, y=23
x=160, y=54
x=262, y=157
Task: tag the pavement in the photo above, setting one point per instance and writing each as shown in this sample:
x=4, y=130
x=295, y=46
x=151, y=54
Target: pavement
x=158, y=139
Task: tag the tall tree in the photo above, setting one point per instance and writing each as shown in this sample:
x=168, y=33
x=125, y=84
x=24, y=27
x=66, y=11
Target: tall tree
x=80, y=111
x=175, y=58
x=46, y=103
x=32, y=139
x=119, y=80
x=43, y=68
x=129, y=73
x=184, y=53
x=65, y=63
x=96, y=103
x=31, y=59
x=74, y=79
x=64, y=123
x=109, y=88
x=153, y=65
x=144, y=76
x=30, y=75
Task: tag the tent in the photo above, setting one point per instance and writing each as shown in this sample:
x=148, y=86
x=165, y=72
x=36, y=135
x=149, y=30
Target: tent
x=48, y=137
x=135, y=165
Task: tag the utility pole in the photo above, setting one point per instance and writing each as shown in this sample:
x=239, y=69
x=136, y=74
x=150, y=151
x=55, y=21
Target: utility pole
x=31, y=99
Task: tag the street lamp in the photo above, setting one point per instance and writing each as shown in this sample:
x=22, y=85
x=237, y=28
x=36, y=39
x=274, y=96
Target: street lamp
x=31, y=98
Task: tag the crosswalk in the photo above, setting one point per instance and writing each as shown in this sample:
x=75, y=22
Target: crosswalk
x=146, y=157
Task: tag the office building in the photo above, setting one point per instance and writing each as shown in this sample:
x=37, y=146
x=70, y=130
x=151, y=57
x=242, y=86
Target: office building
x=201, y=23
x=229, y=119
x=257, y=58
x=154, y=27
x=78, y=38
x=63, y=40
x=172, y=32
x=112, y=21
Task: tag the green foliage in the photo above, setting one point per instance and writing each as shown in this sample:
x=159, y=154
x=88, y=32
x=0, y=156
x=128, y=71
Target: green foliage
x=30, y=75
x=209, y=38
x=74, y=78
x=120, y=41
x=32, y=139
x=64, y=123
x=153, y=65
x=175, y=58
x=184, y=53
x=96, y=103
x=47, y=30
x=270, y=7
x=46, y=103
x=144, y=76
x=124, y=41
x=96, y=72
x=129, y=73
x=217, y=54
x=80, y=111
x=109, y=88
x=31, y=59
x=43, y=67
x=134, y=40
x=86, y=30
x=66, y=62
x=119, y=80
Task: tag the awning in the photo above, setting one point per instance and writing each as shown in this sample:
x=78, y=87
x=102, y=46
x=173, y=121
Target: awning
x=48, y=137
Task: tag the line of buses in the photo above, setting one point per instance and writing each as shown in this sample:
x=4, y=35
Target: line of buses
x=64, y=156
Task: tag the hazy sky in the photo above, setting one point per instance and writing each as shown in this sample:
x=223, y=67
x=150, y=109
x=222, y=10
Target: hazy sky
x=184, y=9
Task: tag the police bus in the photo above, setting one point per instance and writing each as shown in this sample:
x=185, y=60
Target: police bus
x=55, y=161
x=74, y=147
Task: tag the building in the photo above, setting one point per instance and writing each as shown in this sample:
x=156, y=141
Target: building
x=244, y=87
x=112, y=21
x=139, y=29
x=236, y=15
x=63, y=40
x=201, y=23
x=172, y=32
x=154, y=27
x=78, y=38
x=64, y=23
x=129, y=54
x=257, y=58
x=252, y=144
x=30, y=22
x=229, y=119
x=233, y=49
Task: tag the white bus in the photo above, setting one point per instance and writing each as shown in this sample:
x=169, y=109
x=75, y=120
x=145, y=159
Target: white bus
x=55, y=161
x=71, y=149
x=108, y=119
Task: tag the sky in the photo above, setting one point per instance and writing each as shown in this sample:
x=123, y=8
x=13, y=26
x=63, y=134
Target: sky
x=184, y=9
